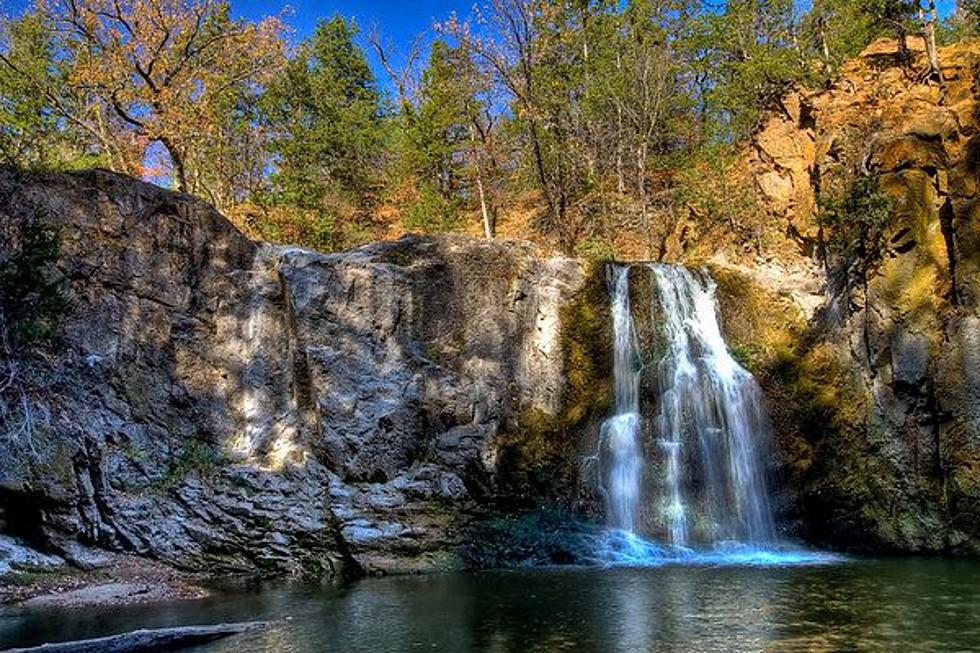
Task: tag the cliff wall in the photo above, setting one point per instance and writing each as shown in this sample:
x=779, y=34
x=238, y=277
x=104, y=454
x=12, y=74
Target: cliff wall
x=222, y=404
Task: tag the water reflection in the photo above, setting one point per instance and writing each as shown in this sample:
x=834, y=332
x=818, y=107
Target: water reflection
x=909, y=605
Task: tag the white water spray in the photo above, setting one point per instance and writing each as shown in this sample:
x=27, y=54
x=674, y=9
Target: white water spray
x=710, y=425
x=621, y=431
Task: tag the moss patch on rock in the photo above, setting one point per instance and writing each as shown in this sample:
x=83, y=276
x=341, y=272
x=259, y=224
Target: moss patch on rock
x=544, y=451
x=815, y=402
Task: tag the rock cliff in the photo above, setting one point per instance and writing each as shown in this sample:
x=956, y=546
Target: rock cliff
x=222, y=404
x=871, y=362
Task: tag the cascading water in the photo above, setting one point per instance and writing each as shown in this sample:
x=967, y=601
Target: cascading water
x=694, y=472
x=711, y=403
x=620, y=432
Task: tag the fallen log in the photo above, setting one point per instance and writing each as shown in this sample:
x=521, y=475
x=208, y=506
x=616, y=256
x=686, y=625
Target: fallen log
x=156, y=639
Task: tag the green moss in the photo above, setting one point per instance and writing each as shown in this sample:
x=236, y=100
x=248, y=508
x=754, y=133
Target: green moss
x=197, y=456
x=817, y=404
x=397, y=256
x=542, y=453
x=846, y=468
x=586, y=339
x=54, y=465
x=748, y=355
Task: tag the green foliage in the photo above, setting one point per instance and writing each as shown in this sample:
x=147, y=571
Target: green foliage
x=583, y=121
x=437, y=132
x=32, y=297
x=198, y=456
x=834, y=31
x=896, y=17
x=856, y=220
x=31, y=134
x=963, y=24
x=432, y=171
x=433, y=212
x=752, y=50
x=324, y=113
x=595, y=249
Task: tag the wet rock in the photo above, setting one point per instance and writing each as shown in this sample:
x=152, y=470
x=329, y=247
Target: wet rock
x=15, y=555
x=156, y=639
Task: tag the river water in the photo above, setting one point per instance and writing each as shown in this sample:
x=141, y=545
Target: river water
x=866, y=605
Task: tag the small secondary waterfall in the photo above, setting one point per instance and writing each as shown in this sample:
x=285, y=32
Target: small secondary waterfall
x=703, y=480
x=621, y=431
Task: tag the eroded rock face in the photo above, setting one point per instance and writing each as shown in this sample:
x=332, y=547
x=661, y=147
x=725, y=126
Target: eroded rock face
x=875, y=392
x=218, y=403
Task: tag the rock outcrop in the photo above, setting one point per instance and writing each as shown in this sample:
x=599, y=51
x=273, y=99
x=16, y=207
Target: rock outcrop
x=875, y=388
x=222, y=404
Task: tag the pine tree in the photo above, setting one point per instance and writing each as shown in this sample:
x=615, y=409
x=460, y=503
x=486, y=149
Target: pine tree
x=324, y=114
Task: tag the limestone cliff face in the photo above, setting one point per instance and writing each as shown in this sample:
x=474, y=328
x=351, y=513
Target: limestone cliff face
x=874, y=377
x=218, y=403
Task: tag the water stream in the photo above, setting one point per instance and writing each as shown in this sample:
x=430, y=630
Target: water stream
x=864, y=605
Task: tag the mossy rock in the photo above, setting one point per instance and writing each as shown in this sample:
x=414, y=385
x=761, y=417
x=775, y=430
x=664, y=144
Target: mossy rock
x=543, y=453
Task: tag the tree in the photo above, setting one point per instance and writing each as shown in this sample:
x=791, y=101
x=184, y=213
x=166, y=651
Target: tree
x=896, y=16
x=929, y=18
x=963, y=23
x=30, y=132
x=648, y=94
x=755, y=55
x=834, y=31
x=326, y=130
x=32, y=295
x=444, y=149
x=162, y=71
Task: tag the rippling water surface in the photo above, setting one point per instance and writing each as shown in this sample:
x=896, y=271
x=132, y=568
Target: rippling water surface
x=897, y=604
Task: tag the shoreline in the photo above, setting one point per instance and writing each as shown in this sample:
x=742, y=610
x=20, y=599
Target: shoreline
x=123, y=581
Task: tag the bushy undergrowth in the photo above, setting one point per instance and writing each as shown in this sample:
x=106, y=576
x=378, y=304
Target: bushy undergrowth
x=33, y=302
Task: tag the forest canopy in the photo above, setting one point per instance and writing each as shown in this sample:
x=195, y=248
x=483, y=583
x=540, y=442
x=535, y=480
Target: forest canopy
x=561, y=121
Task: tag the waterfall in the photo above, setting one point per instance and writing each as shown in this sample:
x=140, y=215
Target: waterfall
x=684, y=459
x=620, y=432
x=712, y=405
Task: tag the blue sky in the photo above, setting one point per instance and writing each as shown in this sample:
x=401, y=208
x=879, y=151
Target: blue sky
x=400, y=20
x=397, y=20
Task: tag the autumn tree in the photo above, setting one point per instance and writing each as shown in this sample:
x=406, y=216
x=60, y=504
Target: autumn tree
x=163, y=71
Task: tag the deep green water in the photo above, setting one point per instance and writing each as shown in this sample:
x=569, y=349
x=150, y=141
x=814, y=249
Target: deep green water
x=857, y=605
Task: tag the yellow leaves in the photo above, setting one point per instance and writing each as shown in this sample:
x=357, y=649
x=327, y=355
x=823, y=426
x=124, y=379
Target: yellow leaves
x=164, y=69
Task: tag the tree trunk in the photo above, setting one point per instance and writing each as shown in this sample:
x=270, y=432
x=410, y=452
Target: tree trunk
x=542, y=173
x=828, y=65
x=488, y=226
x=929, y=19
x=620, y=176
x=641, y=187
x=177, y=160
